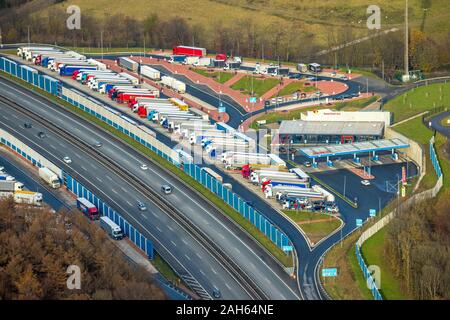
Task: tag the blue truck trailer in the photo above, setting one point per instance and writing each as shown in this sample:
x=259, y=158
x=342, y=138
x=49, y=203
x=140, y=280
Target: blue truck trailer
x=68, y=70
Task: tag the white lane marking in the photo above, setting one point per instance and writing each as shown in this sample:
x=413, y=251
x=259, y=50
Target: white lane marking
x=214, y=271
x=129, y=203
x=144, y=216
x=189, y=198
x=99, y=179
x=52, y=146
x=116, y=203
x=187, y=257
x=113, y=190
x=109, y=178
x=170, y=228
x=173, y=243
x=203, y=273
x=84, y=168
x=184, y=241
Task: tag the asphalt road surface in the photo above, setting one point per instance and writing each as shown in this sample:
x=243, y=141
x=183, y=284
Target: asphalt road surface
x=263, y=270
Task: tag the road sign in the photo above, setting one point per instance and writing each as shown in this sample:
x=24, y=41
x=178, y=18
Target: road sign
x=372, y=212
x=252, y=99
x=359, y=222
x=329, y=272
x=287, y=248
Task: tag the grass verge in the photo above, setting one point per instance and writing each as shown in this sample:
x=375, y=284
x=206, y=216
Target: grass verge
x=219, y=203
x=316, y=226
x=259, y=85
x=418, y=100
x=165, y=269
x=373, y=253
x=349, y=283
x=355, y=104
x=296, y=86
x=218, y=76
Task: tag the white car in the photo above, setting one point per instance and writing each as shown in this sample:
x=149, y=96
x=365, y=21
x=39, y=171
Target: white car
x=365, y=182
x=144, y=167
x=67, y=160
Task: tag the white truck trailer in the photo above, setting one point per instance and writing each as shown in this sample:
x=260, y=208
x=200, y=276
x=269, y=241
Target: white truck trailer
x=174, y=84
x=150, y=73
x=111, y=228
x=28, y=197
x=132, y=79
x=49, y=177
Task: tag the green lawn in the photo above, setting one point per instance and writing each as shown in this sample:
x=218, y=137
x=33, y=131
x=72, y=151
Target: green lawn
x=296, y=86
x=314, y=230
x=417, y=131
x=355, y=104
x=218, y=76
x=260, y=85
x=373, y=254
x=219, y=203
x=418, y=100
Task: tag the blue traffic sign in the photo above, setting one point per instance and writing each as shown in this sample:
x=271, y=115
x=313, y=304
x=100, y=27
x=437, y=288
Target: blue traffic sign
x=372, y=212
x=359, y=222
x=252, y=99
x=222, y=109
x=329, y=272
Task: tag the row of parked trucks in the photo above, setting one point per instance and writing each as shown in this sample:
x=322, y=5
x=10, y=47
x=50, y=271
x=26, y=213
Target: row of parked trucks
x=291, y=187
x=9, y=187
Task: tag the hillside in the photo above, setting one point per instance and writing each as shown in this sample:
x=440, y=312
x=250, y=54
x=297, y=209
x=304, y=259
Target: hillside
x=310, y=17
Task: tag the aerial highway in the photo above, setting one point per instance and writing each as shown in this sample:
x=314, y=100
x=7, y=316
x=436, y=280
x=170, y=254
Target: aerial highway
x=253, y=260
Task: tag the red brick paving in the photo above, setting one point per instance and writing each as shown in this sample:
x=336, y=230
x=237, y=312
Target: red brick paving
x=237, y=96
x=331, y=87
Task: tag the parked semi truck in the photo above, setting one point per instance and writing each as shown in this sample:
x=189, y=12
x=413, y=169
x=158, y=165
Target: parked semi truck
x=111, y=228
x=49, y=177
x=132, y=79
x=203, y=62
x=177, y=58
x=189, y=51
x=10, y=186
x=173, y=84
x=88, y=209
x=28, y=197
x=128, y=64
x=150, y=73
x=68, y=70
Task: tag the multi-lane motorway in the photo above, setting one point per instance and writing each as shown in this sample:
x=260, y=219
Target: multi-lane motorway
x=173, y=242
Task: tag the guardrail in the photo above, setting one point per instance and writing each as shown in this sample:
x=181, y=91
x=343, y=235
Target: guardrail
x=431, y=193
x=209, y=244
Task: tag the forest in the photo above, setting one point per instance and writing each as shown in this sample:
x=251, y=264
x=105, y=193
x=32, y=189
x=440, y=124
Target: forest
x=37, y=246
x=418, y=251
x=242, y=38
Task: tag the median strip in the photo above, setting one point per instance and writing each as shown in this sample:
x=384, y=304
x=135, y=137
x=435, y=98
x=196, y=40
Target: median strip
x=219, y=203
